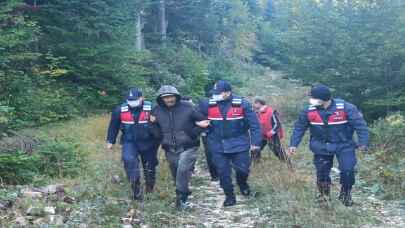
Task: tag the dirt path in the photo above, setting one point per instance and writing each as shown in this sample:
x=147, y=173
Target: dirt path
x=208, y=209
x=388, y=213
x=211, y=212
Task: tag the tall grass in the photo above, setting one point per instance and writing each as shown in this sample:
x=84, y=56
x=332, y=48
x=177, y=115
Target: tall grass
x=289, y=197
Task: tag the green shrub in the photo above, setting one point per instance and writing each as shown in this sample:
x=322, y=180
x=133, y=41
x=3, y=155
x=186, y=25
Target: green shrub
x=6, y=114
x=388, y=134
x=59, y=158
x=17, y=168
x=385, y=166
x=182, y=67
x=41, y=106
x=53, y=158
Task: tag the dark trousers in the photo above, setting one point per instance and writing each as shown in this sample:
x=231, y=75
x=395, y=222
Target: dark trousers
x=210, y=163
x=274, y=145
x=131, y=157
x=240, y=162
x=347, y=162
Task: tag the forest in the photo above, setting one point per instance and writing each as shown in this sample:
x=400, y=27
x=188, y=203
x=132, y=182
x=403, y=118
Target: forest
x=61, y=59
x=68, y=60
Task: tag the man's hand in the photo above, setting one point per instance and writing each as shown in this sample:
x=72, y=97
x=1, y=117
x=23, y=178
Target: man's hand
x=203, y=123
x=292, y=151
x=255, y=153
x=152, y=118
x=109, y=146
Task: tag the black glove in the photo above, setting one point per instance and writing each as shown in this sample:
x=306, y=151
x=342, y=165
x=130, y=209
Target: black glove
x=255, y=155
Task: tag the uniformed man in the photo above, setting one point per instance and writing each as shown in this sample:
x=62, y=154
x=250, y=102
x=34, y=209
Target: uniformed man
x=132, y=118
x=332, y=123
x=234, y=130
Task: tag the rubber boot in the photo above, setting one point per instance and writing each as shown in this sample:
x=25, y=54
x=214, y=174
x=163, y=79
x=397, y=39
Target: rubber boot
x=345, y=197
x=324, y=192
x=245, y=190
x=149, y=188
x=136, y=191
x=213, y=173
x=230, y=199
x=182, y=200
x=149, y=175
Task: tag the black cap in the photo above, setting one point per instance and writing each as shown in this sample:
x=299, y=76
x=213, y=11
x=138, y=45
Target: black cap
x=221, y=86
x=134, y=94
x=321, y=92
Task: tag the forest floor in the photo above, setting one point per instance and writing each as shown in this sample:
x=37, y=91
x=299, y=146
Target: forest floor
x=99, y=196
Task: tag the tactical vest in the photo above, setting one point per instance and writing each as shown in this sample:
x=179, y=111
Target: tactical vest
x=337, y=118
x=135, y=128
x=128, y=118
x=335, y=129
x=231, y=125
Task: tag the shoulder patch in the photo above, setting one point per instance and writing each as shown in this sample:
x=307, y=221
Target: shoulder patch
x=124, y=108
x=311, y=108
x=147, y=106
x=340, y=104
x=212, y=102
x=237, y=101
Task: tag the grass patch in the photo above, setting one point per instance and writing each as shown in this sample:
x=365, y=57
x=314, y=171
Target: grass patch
x=289, y=198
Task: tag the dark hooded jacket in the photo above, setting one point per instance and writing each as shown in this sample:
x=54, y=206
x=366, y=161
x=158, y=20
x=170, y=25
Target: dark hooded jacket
x=175, y=126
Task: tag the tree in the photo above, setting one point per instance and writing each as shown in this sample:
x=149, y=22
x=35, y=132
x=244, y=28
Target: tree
x=356, y=47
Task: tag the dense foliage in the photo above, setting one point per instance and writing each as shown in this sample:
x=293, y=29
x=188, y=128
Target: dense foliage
x=356, y=47
x=58, y=157
x=386, y=165
x=59, y=59
x=64, y=58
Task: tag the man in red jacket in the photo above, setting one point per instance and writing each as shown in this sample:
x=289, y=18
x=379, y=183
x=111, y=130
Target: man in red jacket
x=272, y=130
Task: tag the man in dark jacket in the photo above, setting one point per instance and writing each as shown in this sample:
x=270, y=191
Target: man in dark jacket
x=132, y=118
x=175, y=123
x=332, y=123
x=234, y=131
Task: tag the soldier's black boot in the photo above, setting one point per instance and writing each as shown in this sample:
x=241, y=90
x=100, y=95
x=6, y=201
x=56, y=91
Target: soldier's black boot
x=149, y=174
x=345, y=197
x=213, y=173
x=149, y=187
x=230, y=199
x=324, y=192
x=245, y=190
x=136, y=191
x=182, y=200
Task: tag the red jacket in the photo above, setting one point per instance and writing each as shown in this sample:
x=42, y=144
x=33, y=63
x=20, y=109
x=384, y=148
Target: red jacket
x=266, y=122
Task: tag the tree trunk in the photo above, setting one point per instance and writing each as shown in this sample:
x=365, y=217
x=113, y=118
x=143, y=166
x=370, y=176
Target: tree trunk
x=163, y=23
x=139, y=31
